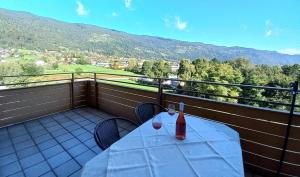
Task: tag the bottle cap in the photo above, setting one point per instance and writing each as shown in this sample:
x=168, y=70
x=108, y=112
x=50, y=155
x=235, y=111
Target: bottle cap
x=181, y=106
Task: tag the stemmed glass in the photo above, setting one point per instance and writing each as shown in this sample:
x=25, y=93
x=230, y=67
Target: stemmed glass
x=171, y=109
x=156, y=124
x=171, y=112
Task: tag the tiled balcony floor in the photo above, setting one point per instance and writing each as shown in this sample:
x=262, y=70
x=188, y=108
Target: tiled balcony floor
x=55, y=145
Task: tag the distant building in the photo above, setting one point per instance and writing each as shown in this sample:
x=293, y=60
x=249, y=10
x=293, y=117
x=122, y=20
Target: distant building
x=124, y=64
x=104, y=64
x=4, y=53
x=174, y=67
x=171, y=82
x=40, y=63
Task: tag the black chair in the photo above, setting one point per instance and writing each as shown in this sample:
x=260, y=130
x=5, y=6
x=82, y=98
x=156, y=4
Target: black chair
x=146, y=111
x=111, y=130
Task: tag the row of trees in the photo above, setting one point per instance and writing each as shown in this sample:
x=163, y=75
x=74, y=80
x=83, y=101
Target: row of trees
x=13, y=68
x=239, y=71
x=158, y=68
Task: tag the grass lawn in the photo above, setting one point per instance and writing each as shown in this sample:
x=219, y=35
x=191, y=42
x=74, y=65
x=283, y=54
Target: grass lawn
x=130, y=83
x=91, y=68
x=88, y=68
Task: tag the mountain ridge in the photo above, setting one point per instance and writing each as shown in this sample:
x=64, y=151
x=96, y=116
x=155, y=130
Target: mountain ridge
x=26, y=30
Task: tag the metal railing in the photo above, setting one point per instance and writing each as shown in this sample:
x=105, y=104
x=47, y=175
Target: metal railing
x=168, y=85
x=159, y=83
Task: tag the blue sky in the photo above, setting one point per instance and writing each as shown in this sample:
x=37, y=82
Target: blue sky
x=260, y=24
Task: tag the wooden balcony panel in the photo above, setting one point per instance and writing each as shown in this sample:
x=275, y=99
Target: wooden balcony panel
x=262, y=131
x=127, y=90
x=295, y=132
x=13, y=95
x=290, y=169
x=247, y=111
x=255, y=169
x=35, y=111
x=265, y=163
x=117, y=109
x=21, y=104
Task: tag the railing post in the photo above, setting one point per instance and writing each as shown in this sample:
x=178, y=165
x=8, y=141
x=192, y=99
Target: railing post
x=72, y=90
x=160, y=91
x=96, y=90
x=295, y=91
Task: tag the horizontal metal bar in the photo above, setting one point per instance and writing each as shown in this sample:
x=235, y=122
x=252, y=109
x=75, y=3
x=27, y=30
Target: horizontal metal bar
x=125, y=82
x=243, y=98
x=23, y=83
x=124, y=75
x=232, y=85
x=155, y=78
x=86, y=72
x=83, y=78
x=37, y=75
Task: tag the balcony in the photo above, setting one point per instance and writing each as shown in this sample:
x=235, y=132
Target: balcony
x=47, y=129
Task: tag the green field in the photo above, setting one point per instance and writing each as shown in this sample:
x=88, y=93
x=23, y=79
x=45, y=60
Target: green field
x=130, y=83
x=88, y=68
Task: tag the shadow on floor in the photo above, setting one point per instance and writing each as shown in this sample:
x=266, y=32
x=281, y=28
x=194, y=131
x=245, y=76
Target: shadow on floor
x=55, y=145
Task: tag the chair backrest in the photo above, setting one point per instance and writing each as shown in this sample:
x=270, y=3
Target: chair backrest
x=108, y=131
x=146, y=111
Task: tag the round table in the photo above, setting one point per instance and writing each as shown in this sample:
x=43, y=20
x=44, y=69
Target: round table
x=210, y=150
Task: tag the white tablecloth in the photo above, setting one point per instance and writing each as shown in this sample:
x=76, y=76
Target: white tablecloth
x=209, y=150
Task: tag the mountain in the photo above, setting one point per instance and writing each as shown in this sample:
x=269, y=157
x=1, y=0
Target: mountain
x=25, y=30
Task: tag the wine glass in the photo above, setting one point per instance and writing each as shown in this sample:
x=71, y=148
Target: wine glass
x=171, y=112
x=156, y=124
x=171, y=109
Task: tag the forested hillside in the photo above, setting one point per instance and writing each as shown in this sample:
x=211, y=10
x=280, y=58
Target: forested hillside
x=24, y=30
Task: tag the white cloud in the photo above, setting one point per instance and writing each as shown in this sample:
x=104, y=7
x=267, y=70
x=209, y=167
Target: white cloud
x=290, y=51
x=128, y=3
x=115, y=14
x=270, y=29
x=175, y=22
x=81, y=11
x=268, y=33
x=181, y=25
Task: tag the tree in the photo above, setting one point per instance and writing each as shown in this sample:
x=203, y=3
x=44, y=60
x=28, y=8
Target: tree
x=147, y=68
x=161, y=69
x=224, y=73
x=244, y=65
x=54, y=65
x=292, y=71
x=10, y=69
x=186, y=70
x=30, y=68
x=202, y=66
x=82, y=61
x=133, y=65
